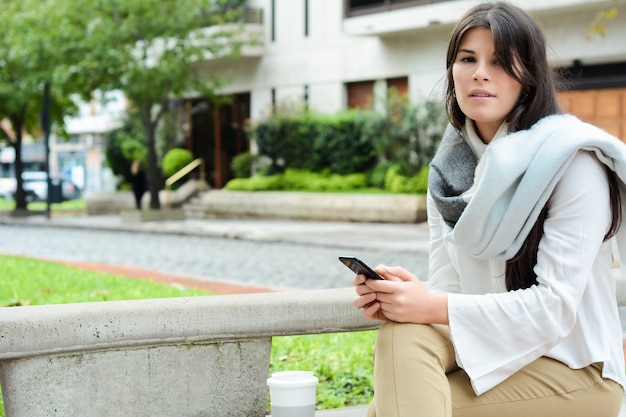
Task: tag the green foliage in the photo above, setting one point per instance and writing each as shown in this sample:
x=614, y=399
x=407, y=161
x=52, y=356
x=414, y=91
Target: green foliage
x=410, y=134
x=300, y=180
x=601, y=21
x=350, y=142
x=243, y=164
x=70, y=206
x=398, y=183
x=308, y=141
x=257, y=183
x=346, y=151
x=342, y=362
x=124, y=145
x=35, y=49
x=325, y=181
x=176, y=159
x=33, y=282
x=377, y=175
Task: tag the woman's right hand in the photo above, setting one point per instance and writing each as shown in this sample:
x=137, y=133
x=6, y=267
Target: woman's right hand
x=366, y=299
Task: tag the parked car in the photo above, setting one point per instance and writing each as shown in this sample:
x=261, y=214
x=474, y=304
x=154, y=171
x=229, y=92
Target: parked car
x=35, y=184
x=36, y=188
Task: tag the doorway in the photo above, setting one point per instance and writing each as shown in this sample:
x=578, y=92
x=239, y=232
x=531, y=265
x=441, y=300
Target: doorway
x=217, y=134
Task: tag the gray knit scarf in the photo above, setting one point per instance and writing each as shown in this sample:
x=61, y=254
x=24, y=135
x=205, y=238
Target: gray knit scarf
x=451, y=174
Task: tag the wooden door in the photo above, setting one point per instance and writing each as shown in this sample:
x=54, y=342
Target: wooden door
x=605, y=108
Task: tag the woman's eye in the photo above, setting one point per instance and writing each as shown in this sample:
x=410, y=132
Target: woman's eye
x=467, y=59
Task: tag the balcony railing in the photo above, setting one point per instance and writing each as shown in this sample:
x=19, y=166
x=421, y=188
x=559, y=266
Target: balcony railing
x=354, y=8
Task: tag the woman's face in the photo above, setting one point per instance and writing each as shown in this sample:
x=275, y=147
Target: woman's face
x=485, y=92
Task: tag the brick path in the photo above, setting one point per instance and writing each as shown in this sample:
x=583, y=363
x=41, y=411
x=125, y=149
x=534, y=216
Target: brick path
x=152, y=275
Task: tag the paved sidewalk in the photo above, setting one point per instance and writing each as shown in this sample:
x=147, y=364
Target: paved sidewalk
x=393, y=236
x=221, y=255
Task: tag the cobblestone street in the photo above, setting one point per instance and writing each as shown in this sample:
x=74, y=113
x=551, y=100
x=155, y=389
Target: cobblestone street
x=257, y=263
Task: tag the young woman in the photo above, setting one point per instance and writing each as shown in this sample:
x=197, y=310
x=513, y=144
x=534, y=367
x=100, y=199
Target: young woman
x=519, y=317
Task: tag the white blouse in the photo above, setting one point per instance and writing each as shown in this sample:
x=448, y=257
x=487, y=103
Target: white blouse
x=570, y=316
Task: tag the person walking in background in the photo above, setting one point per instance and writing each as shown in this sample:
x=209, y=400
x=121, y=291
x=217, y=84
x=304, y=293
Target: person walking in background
x=139, y=182
x=519, y=317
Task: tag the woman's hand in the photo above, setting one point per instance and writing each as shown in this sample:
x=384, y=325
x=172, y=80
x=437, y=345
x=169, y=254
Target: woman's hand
x=400, y=297
x=366, y=298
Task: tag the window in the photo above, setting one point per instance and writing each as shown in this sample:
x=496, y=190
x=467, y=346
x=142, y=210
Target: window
x=362, y=7
x=400, y=85
x=361, y=93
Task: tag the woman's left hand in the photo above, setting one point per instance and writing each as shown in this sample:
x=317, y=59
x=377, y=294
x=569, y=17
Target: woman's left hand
x=402, y=297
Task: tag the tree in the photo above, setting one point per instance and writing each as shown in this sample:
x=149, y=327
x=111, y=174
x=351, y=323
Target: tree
x=35, y=48
x=150, y=50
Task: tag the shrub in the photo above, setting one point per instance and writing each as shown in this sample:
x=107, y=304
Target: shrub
x=175, y=159
x=243, y=164
x=256, y=183
x=124, y=145
x=376, y=177
x=398, y=183
x=300, y=180
x=308, y=141
x=351, y=141
x=411, y=134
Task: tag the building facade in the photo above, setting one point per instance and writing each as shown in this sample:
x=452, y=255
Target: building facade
x=331, y=55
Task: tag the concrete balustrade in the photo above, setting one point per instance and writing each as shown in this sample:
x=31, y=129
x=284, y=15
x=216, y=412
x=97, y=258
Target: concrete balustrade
x=184, y=357
x=199, y=356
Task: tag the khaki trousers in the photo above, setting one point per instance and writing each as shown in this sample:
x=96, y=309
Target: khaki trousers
x=415, y=375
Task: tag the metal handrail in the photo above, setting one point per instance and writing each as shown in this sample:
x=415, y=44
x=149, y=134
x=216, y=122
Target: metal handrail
x=199, y=162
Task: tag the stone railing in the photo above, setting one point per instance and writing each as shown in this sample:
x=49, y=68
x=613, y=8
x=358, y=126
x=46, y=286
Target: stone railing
x=198, y=356
x=184, y=357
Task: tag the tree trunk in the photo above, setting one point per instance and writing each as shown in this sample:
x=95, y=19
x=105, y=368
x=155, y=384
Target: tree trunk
x=17, y=122
x=154, y=175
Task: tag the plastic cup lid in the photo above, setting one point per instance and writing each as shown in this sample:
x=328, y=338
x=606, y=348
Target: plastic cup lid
x=294, y=379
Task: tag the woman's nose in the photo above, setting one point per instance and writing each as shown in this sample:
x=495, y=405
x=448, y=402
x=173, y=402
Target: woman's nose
x=481, y=73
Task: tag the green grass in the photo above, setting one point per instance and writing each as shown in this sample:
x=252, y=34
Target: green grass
x=72, y=205
x=342, y=362
x=26, y=281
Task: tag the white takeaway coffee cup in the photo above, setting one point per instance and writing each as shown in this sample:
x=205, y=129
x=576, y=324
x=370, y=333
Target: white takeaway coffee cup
x=292, y=393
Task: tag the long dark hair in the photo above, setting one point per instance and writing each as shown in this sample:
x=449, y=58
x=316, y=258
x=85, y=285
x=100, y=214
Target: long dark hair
x=520, y=48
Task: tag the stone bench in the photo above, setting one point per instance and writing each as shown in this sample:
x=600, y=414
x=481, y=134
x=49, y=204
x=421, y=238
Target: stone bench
x=184, y=357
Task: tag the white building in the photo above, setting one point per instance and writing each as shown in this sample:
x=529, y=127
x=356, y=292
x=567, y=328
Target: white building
x=334, y=54
x=81, y=158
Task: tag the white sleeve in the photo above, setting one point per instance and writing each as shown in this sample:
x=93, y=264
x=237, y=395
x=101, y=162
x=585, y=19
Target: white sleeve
x=442, y=277
x=497, y=334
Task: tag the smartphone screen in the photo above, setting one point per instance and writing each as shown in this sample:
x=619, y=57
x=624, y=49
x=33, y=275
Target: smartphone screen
x=359, y=267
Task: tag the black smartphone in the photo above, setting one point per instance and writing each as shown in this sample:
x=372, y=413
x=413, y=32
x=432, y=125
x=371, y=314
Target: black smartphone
x=359, y=267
